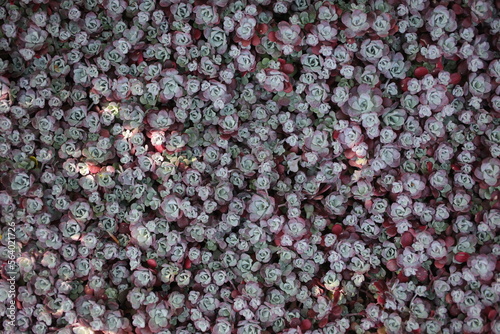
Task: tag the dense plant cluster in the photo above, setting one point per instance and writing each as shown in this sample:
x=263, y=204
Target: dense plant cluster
x=252, y=166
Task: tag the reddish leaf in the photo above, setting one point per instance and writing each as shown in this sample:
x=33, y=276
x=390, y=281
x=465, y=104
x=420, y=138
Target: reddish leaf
x=455, y=78
x=336, y=296
x=387, y=223
x=387, y=102
x=422, y=274
x=457, y=9
x=380, y=300
x=420, y=72
x=449, y=241
x=439, y=264
x=462, y=257
x=183, y=222
x=277, y=240
x=287, y=68
x=104, y=133
x=448, y=298
x=94, y=169
x=315, y=49
x=124, y=228
x=337, y=310
x=349, y=154
x=392, y=231
x=196, y=34
x=323, y=322
x=407, y=239
x=337, y=229
x=392, y=265
x=466, y=22
x=492, y=315
x=308, y=27
x=262, y=28
x=295, y=322
x=159, y=148
x=246, y=43
x=454, y=310
x=88, y=290
x=404, y=84
x=255, y=40
x=379, y=285
x=272, y=36
x=305, y=324
x=439, y=66
x=152, y=263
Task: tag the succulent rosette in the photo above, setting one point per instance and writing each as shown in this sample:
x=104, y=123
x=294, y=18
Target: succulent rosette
x=275, y=81
x=363, y=100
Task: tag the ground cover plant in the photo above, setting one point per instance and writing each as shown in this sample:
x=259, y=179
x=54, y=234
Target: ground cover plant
x=253, y=166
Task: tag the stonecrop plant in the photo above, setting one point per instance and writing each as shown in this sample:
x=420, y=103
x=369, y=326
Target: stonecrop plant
x=250, y=166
